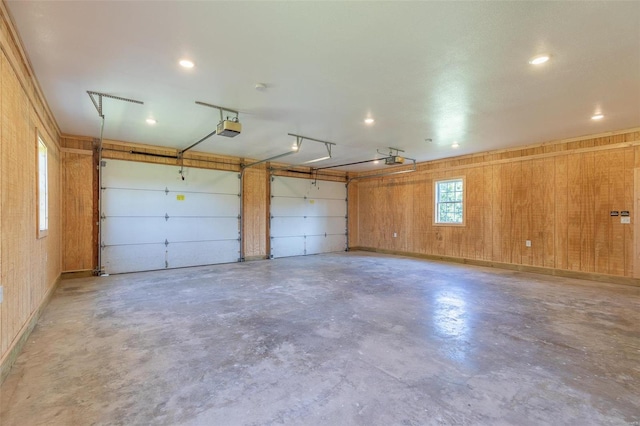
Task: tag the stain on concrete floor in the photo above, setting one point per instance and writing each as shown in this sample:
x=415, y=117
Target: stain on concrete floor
x=339, y=339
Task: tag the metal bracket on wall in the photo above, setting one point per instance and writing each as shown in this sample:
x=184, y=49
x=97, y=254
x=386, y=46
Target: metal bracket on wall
x=96, y=98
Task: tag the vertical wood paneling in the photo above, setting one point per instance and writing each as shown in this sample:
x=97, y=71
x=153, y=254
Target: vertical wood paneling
x=29, y=266
x=2, y=124
x=636, y=217
x=527, y=212
x=574, y=239
x=560, y=201
x=602, y=230
x=497, y=207
x=587, y=210
x=419, y=218
x=629, y=162
x=254, y=212
x=17, y=224
x=561, y=233
x=78, y=210
x=506, y=211
x=352, y=212
x=616, y=197
x=487, y=213
x=518, y=193
x=472, y=234
x=548, y=184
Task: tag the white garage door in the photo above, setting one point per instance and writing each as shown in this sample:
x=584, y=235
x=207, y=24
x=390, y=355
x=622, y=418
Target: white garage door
x=307, y=216
x=152, y=219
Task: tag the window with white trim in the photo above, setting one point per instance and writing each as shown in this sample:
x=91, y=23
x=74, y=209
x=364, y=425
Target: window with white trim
x=42, y=189
x=449, y=197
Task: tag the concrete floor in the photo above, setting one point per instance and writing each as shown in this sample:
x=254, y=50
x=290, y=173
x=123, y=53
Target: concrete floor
x=341, y=339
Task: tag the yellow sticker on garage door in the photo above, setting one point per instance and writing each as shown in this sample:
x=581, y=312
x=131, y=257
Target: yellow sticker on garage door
x=180, y=197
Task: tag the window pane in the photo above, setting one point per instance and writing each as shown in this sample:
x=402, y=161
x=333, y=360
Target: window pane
x=449, y=197
x=43, y=187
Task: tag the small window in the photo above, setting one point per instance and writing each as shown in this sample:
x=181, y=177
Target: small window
x=42, y=190
x=449, y=196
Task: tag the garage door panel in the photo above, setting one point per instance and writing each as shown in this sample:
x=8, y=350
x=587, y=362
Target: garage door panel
x=288, y=206
x=132, y=175
x=184, y=229
x=202, y=204
x=201, y=180
x=330, y=243
x=322, y=225
x=125, y=202
x=325, y=189
x=134, y=258
x=287, y=226
x=148, y=204
x=287, y=246
x=290, y=187
x=202, y=253
x=119, y=230
x=319, y=208
x=325, y=207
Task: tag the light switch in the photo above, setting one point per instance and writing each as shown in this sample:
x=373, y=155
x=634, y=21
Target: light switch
x=527, y=243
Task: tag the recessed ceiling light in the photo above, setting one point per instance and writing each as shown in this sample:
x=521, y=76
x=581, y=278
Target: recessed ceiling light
x=455, y=145
x=540, y=59
x=597, y=116
x=185, y=63
x=151, y=121
x=369, y=120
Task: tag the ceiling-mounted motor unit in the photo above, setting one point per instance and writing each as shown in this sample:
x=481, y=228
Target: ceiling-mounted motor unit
x=394, y=160
x=229, y=128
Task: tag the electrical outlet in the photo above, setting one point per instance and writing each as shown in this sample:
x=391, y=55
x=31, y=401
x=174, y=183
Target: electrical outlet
x=527, y=243
x=395, y=235
x=625, y=220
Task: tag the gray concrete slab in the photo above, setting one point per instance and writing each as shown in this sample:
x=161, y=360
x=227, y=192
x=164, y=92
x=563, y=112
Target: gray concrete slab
x=355, y=338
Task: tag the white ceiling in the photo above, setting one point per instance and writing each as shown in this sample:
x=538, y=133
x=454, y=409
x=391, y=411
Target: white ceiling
x=450, y=71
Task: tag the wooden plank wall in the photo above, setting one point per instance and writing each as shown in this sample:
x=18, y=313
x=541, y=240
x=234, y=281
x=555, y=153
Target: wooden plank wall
x=557, y=195
x=29, y=266
x=79, y=243
x=255, y=212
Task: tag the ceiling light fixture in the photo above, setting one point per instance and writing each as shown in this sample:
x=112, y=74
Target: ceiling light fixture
x=538, y=60
x=185, y=63
x=294, y=147
x=151, y=121
x=369, y=120
x=597, y=116
x=455, y=145
x=376, y=161
x=317, y=159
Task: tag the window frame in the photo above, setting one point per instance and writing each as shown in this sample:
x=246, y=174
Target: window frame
x=436, y=201
x=41, y=198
